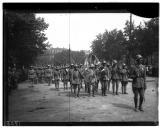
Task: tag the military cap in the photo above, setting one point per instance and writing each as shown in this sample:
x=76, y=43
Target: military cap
x=92, y=66
x=115, y=61
x=138, y=57
x=104, y=62
x=75, y=65
x=107, y=63
x=123, y=64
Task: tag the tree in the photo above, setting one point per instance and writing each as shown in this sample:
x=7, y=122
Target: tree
x=24, y=37
x=109, y=45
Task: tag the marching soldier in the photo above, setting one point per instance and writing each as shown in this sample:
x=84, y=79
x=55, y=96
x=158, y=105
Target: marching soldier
x=65, y=77
x=70, y=74
x=31, y=75
x=38, y=72
x=43, y=74
x=86, y=74
x=97, y=72
x=109, y=76
x=138, y=74
x=115, y=77
x=80, y=69
x=104, y=78
x=92, y=81
x=56, y=78
x=76, y=78
x=48, y=74
x=124, y=80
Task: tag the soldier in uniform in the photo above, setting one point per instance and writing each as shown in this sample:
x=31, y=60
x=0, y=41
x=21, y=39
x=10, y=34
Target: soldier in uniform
x=81, y=69
x=86, y=74
x=65, y=77
x=115, y=76
x=97, y=71
x=76, y=78
x=138, y=74
x=70, y=74
x=124, y=80
x=104, y=77
x=109, y=76
x=48, y=74
x=42, y=74
x=56, y=78
x=92, y=81
x=38, y=72
x=31, y=75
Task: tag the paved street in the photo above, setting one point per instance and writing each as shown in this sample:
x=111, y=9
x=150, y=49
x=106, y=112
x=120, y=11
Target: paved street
x=43, y=103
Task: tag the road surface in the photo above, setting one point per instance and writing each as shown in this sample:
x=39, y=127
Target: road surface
x=42, y=103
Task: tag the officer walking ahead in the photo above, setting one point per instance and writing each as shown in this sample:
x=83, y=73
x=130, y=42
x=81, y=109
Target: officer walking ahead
x=138, y=74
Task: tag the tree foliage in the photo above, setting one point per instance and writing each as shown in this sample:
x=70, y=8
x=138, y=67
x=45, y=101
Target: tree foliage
x=24, y=36
x=133, y=40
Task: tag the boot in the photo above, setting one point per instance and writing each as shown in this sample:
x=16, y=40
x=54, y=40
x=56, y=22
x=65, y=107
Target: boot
x=135, y=102
x=140, y=104
x=125, y=90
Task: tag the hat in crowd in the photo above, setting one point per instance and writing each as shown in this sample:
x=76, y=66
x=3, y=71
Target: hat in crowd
x=75, y=65
x=123, y=64
x=104, y=62
x=108, y=64
x=138, y=57
x=114, y=61
x=98, y=63
x=92, y=66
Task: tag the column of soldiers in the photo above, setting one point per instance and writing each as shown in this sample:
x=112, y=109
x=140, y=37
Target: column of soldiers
x=93, y=76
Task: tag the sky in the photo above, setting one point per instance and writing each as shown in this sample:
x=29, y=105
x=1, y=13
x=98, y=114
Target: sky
x=80, y=29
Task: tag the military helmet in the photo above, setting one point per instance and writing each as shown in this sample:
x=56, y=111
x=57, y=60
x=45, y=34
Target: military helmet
x=92, y=66
x=114, y=61
x=108, y=64
x=138, y=57
x=123, y=64
x=104, y=62
x=98, y=63
x=76, y=65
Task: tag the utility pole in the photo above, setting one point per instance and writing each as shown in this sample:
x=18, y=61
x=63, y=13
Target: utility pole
x=130, y=37
x=69, y=55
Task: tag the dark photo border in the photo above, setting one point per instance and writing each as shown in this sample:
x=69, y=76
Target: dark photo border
x=147, y=10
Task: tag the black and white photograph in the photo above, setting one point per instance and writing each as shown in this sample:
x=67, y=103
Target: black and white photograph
x=78, y=66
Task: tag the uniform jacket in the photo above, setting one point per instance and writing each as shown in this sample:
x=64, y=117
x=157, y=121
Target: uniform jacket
x=138, y=75
x=124, y=75
x=92, y=76
x=31, y=73
x=115, y=73
x=76, y=77
x=105, y=74
x=65, y=75
x=56, y=75
x=48, y=72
